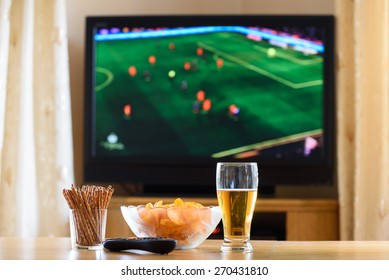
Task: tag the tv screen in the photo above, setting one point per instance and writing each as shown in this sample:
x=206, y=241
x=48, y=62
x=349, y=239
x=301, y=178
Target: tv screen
x=167, y=97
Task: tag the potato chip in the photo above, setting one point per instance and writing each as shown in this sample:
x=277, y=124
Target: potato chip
x=179, y=203
x=194, y=204
x=158, y=204
x=149, y=205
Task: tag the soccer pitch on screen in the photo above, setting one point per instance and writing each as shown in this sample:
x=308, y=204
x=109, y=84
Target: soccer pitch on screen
x=147, y=95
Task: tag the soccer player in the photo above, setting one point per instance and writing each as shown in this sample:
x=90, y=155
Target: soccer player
x=219, y=63
x=200, y=95
x=233, y=112
x=132, y=71
x=207, y=105
x=152, y=59
x=127, y=110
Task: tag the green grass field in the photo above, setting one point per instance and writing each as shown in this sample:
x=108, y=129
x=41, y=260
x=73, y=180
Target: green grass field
x=279, y=97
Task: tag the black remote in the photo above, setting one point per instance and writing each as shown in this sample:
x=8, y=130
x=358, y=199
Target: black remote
x=150, y=244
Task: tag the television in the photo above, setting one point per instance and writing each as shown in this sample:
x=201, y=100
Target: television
x=167, y=97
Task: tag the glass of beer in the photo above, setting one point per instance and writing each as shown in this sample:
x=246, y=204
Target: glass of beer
x=236, y=186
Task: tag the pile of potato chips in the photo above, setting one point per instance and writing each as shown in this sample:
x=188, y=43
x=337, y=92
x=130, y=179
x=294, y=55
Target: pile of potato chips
x=177, y=203
x=179, y=220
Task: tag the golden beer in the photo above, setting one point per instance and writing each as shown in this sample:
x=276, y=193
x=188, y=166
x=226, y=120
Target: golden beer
x=237, y=207
x=236, y=188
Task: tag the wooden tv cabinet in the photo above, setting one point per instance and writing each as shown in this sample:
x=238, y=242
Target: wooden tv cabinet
x=305, y=219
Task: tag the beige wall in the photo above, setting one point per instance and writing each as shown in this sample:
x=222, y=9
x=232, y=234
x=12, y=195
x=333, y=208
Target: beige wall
x=78, y=9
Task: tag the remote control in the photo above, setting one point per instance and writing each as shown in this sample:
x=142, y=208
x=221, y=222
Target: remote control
x=150, y=244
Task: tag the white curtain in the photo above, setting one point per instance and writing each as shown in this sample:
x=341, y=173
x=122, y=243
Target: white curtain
x=36, y=149
x=363, y=118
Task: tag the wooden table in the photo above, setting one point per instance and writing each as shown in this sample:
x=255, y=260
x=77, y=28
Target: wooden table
x=60, y=249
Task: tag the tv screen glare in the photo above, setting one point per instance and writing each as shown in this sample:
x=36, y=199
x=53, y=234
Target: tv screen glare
x=167, y=97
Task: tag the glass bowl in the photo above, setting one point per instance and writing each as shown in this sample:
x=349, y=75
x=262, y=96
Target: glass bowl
x=189, y=226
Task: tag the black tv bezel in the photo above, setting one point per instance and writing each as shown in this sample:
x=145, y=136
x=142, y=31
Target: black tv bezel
x=174, y=177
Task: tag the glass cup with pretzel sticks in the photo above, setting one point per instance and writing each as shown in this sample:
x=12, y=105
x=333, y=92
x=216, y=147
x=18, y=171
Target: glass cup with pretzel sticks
x=88, y=216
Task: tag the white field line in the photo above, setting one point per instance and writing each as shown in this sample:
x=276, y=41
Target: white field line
x=268, y=144
x=107, y=81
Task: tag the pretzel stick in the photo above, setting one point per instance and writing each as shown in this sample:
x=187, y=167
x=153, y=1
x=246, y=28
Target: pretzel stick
x=81, y=219
x=72, y=203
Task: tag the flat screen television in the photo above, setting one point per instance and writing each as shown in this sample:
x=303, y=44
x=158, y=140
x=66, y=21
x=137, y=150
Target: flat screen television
x=167, y=97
